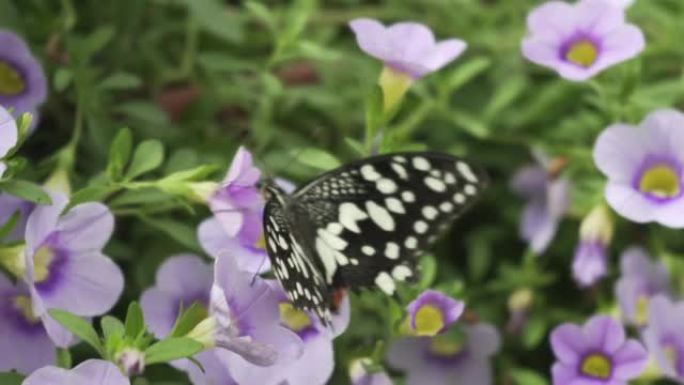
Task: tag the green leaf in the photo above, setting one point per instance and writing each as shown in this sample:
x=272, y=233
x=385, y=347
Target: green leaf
x=11, y=378
x=355, y=146
x=146, y=112
x=179, y=231
x=10, y=224
x=91, y=194
x=119, y=153
x=464, y=73
x=479, y=255
x=26, y=190
x=189, y=319
x=64, y=358
x=111, y=326
x=428, y=271
x=62, y=80
x=147, y=157
x=135, y=321
x=527, y=377
x=315, y=157
x=172, y=349
x=534, y=332
x=120, y=81
x=375, y=114
x=213, y=17
x=79, y=327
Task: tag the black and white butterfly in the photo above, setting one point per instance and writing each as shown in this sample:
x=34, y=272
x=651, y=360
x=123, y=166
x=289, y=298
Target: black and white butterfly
x=364, y=224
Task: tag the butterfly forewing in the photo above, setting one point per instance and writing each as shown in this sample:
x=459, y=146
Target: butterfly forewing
x=368, y=220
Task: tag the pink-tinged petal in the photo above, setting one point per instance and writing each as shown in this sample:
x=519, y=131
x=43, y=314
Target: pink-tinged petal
x=49, y=375
x=213, y=238
x=8, y=132
x=635, y=261
x=630, y=360
x=241, y=289
x=576, y=73
x=89, y=285
x=598, y=17
x=620, y=149
x=530, y=182
x=666, y=126
x=589, y=263
x=215, y=364
x=85, y=227
x=671, y=215
x=59, y=335
x=409, y=42
x=629, y=203
x=564, y=375
x=371, y=37
x=43, y=221
x=483, y=340
x=537, y=226
x=621, y=44
x=99, y=372
x=568, y=343
x=444, y=53
x=242, y=171
x=553, y=20
x=229, y=216
x=185, y=273
x=216, y=242
x=604, y=333
x=475, y=372
x=160, y=309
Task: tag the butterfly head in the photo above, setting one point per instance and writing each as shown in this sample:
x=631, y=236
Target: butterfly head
x=270, y=190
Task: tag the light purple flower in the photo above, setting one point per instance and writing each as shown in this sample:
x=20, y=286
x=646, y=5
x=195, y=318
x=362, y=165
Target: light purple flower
x=24, y=342
x=664, y=336
x=246, y=248
x=582, y=39
x=590, y=262
x=644, y=166
x=407, y=47
x=443, y=360
x=641, y=279
x=359, y=375
x=597, y=353
x=65, y=267
x=91, y=372
x=432, y=312
x=624, y=4
x=9, y=205
x=548, y=199
x=23, y=85
x=9, y=133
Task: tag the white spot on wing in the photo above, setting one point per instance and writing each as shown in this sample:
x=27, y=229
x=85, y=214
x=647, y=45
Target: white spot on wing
x=349, y=215
x=411, y=243
x=408, y=196
x=420, y=227
x=380, y=216
x=430, y=212
x=394, y=205
x=466, y=171
x=385, y=283
x=459, y=198
x=470, y=189
x=435, y=184
x=392, y=250
x=400, y=170
x=401, y=272
x=386, y=186
x=446, y=207
x=368, y=173
x=368, y=250
x=421, y=163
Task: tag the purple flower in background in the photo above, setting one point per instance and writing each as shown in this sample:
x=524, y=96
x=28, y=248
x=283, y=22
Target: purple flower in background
x=9, y=133
x=432, y=312
x=547, y=201
x=445, y=359
x=9, y=205
x=590, y=262
x=624, y=4
x=405, y=47
x=24, y=342
x=580, y=40
x=596, y=353
x=641, y=279
x=91, y=372
x=644, y=166
x=65, y=267
x=247, y=248
x=23, y=86
x=664, y=336
x=359, y=374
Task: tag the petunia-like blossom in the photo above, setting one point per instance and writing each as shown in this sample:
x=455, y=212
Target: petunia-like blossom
x=664, y=336
x=580, y=40
x=408, y=50
x=64, y=264
x=316, y=363
x=590, y=262
x=23, y=86
x=644, y=166
x=446, y=359
x=640, y=281
x=624, y=4
x=91, y=372
x=9, y=206
x=247, y=248
x=548, y=199
x=9, y=133
x=360, y=375
x=432, y=312
x=596, y=353
x=24, y=342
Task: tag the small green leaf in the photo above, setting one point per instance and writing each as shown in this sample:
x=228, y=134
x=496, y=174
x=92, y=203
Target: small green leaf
x=534, y=332
x=355, y=146
x=316, y=158
x=135, y=321
x=10, y=224
x=120, y=81
x=213, y=17
x=112, y=327
x=91, y=194
x=144, y=111
x=64, y=358
x=63, y=78
x=527, y=377
x=11, y=378
x=179, y=231
x=172, y=349
x=26, y=190
x=119, y=153
x=189, y=319
x=79, y=327
x=148, y=156
x=428, y=271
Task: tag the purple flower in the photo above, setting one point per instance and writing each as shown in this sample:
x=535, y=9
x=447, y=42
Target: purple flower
x=597, y=353
x=644, y=166
x=547, y=201
x=432, y=312
x=65, y=267
x=24, y=342
x=445, y=359
x=580, y=40
x=406, y=47
x=247, y=248
x=91, y=372
x=624, y=4
x=664, y=336
x=359, y=374
x=8, y=132
x=590, y=262
x=641, y=279
x=23, y=85
x=9, y=205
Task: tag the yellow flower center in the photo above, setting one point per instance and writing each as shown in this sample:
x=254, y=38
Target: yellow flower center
x=394, y=85
x=22, y=304
x=428, y=320
x=41, y=263
x=261, y=242
x=11, y=82
x=641, y=310
x=293, y=318
x=660, y=181
x=597, y=366
x=445, y=346
x=582, y=53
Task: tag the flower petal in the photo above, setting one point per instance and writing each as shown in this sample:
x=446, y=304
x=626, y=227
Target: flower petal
x=568, y=343
x=160, y=309
x=630, y=360
x=98, y=372
x=604, y=333
x=371, y=37
x=444, y=53
x=43, y=221
x=619, y=151
x=8, y=132
x=87, y=226
x=185, y=274
x=483, y=340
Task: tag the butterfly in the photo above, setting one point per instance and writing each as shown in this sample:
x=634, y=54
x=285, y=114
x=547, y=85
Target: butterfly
x=364, y=224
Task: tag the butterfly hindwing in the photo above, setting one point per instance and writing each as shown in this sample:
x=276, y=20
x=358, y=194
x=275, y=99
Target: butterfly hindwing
x=370, y=219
